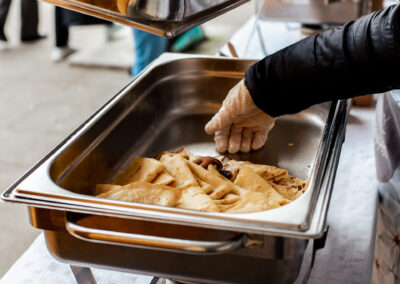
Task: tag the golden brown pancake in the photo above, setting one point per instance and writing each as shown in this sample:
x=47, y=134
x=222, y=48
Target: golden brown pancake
x=141, y=169
x=184, y=180
x=144, y=192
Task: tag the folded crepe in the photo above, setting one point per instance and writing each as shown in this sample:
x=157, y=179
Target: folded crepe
x=141, y=169
x=257, y=194
x=144, y=192
x=164, y=179
x=290, y=187
x=219, y=185
x=267, y=172
x=176, y=166
x=193, y=197
x=184, y=180
x=103, y=188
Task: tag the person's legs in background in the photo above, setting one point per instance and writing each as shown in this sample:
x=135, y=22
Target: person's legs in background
x=147, y=48
x=30, y=21
x=111, y=30
x=61, y=50
x=188, y=39
x=61, y=30
x=64, y=19
x=4, y=8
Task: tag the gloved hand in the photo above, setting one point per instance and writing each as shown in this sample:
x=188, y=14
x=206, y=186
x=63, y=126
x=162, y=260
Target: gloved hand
x=239, y=124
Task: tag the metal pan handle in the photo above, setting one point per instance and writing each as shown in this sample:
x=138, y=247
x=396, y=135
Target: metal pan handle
x=154, y=242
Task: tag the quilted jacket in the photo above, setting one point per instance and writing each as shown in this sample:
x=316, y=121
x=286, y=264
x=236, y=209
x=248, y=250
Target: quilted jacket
x=362, y=57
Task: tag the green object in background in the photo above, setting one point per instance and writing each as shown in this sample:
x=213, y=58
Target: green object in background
x=188, y=39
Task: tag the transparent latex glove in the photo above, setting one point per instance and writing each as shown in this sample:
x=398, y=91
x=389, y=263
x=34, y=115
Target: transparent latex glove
x=239, y=125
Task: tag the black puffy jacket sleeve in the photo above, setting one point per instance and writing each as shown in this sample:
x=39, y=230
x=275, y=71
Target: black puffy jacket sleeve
x=362, y=57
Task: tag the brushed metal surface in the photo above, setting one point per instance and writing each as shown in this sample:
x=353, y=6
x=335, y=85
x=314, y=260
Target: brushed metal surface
x=163, y=17
x=171, y=10
x=164, y=108
x=83, y=275
x=240, y=266
x=255, y=245
x=108, y=236
x=263, y=258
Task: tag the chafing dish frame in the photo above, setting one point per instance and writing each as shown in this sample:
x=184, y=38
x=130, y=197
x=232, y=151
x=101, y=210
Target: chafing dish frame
x=266, y=253
x=23, y=191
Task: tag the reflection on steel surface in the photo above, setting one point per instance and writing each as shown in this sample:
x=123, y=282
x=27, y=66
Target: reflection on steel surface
x=172, y=10
x=156, y=242
x=162, y=17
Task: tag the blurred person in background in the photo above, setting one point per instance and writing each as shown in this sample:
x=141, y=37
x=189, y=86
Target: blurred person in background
x=64, y=19
x=148, y=47
x=29, y=21
x=360, y=58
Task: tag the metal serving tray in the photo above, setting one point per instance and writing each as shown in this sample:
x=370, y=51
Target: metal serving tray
x=165, y=107
x=163, y=17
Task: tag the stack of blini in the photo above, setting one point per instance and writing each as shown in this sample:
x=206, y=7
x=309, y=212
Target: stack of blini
x=181, y=179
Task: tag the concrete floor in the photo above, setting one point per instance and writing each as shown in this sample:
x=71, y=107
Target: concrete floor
x=41, y=102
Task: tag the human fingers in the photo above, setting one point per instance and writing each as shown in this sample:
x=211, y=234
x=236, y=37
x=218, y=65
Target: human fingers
x=221, y=140
x=235, y=138
x=259, y=139
x=220, y=120
x=247, y=136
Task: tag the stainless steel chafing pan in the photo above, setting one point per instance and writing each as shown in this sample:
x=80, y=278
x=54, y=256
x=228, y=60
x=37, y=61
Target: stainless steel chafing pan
x=163, y=17
x=166, y=107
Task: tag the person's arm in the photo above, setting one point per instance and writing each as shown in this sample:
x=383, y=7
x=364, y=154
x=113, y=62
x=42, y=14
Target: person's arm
x=362, y=57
